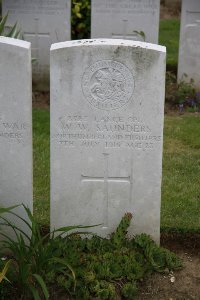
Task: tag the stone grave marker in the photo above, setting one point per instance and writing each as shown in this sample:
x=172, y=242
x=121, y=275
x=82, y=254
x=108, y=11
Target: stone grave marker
x=42, y=22
x=189, y=45
x=121, y=19
x=107, y=103
x=15, y=125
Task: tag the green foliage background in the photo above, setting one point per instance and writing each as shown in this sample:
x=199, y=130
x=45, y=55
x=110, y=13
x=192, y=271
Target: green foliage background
x=80, y=20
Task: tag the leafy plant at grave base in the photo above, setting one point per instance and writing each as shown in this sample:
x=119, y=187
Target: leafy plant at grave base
x=6, y=284
x=181, y=94
x=107, y=268
x=185, y=90
x=4, y=271
x=80, y=20
x=30, y=259
x=95, y=268
x=14, y=31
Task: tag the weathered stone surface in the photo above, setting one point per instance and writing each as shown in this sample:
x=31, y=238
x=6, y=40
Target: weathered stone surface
x=189, y=46
x=42, y=22
x=107, y=99
x=119, y=19
x=15, y=124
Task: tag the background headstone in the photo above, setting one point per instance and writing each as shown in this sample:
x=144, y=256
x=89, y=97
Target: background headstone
x=119, y=19
x=189, y=46
x=15, y=124
x=42, y=22
x=107, y=103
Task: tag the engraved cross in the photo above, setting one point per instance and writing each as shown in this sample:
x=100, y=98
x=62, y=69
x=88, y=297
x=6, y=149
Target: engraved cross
x=125, y=35
x=106, y=179
x=36, y=34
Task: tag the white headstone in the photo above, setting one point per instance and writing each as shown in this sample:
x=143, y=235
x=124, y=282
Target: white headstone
x=107, y=99
x=42, y=22
x=189, y=46
x=15, y=125
x=120, y=19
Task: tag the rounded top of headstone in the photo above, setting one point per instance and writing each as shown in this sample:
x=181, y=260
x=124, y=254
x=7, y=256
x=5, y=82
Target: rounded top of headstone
x=14, y=42
x=107, y=42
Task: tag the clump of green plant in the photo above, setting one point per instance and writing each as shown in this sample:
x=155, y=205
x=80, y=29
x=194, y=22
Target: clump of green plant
x=80, y=20
x=106, y=268
x=14, y=32
x=181, y=94
x=84, y=268
x=32, y=257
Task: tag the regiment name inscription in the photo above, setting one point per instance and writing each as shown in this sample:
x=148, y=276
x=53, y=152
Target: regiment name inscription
x=106, y=131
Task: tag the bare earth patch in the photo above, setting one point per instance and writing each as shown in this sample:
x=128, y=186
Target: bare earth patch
x=41, y=100
x=180, y=285
x=170, y=11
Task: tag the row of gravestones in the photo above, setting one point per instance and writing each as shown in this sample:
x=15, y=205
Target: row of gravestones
x=107, y=103
x=45, y=22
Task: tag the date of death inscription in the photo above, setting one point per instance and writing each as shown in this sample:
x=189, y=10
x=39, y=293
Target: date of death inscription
x=105, y=131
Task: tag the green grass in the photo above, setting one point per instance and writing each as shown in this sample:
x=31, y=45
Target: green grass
x=169, y=37
x=41, y=164
x=181, y=174
x=181, y=171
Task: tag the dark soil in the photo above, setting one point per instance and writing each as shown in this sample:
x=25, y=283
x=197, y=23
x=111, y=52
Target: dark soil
x=41, y=100
x=170, y=11
x=180, y=285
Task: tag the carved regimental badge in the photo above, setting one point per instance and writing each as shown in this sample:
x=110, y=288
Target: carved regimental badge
x=107, y=84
